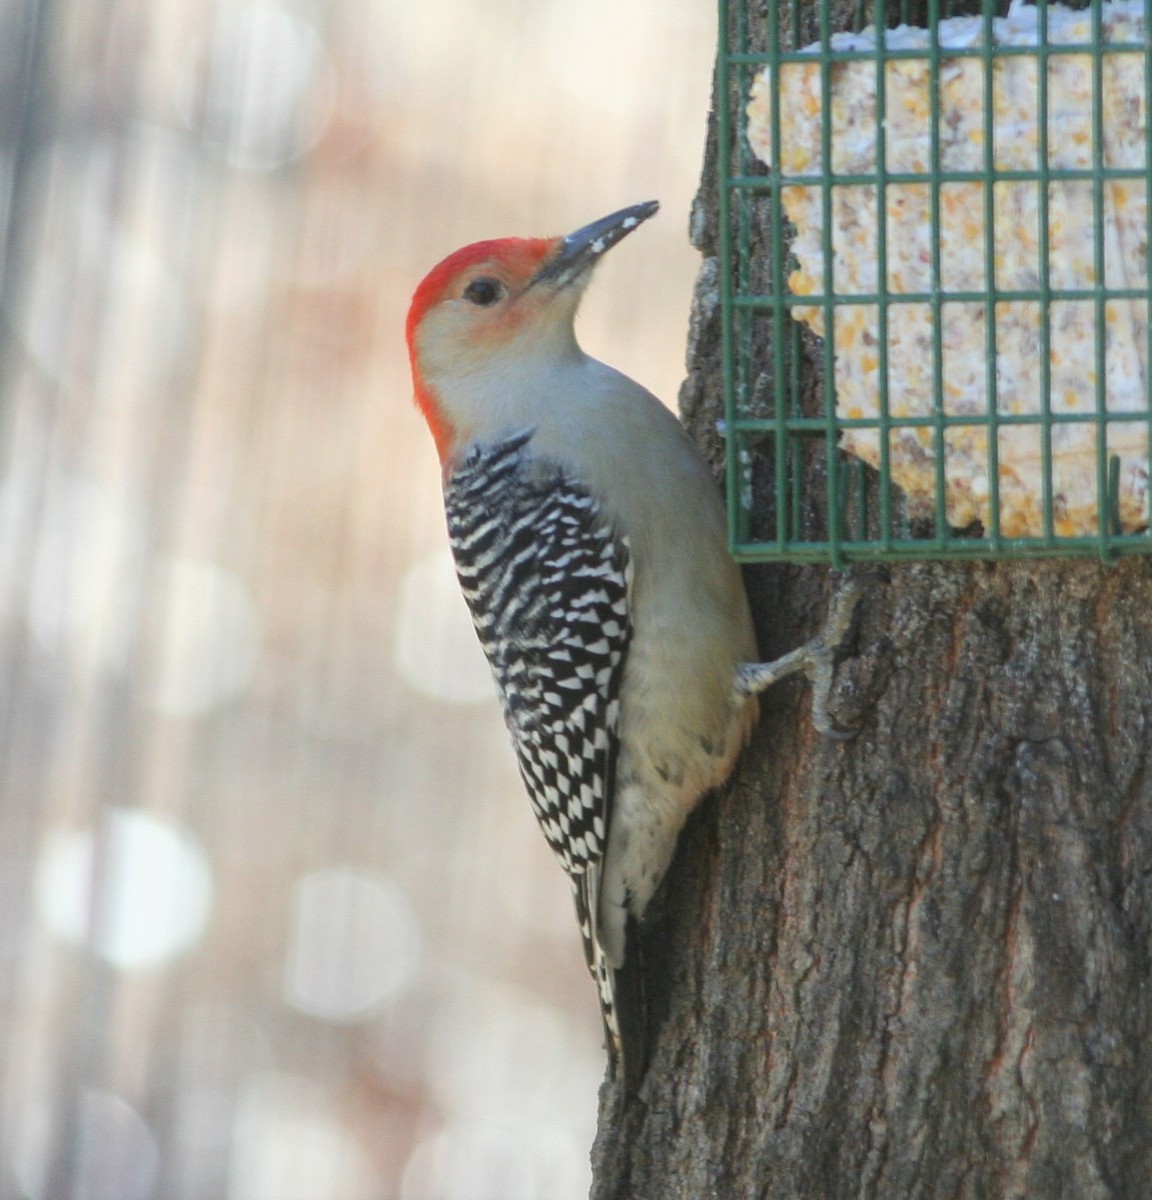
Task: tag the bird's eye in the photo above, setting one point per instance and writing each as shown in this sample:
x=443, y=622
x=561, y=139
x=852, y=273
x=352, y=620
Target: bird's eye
x=484, y=292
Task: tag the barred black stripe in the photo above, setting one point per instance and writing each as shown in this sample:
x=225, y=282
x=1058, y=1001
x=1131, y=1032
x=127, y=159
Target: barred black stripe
x=546, y=579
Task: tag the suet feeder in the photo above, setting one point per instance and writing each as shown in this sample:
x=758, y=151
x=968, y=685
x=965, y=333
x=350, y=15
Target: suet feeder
x=934, y=280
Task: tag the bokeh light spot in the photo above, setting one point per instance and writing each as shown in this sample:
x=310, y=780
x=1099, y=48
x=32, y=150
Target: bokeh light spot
x=290, y=1146
x=155, y=890
x=210, y=638
x=269, y=92
x=79, y=559
x=354, y=944
x=463, y=1163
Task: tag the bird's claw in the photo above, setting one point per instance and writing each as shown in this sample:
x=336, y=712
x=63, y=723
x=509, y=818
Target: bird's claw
x=815, y=659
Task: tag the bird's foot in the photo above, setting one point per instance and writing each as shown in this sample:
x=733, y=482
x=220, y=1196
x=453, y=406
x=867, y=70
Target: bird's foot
x=815, y=659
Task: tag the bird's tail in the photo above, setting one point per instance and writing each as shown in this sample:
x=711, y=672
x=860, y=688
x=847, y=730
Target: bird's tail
x=620, y=989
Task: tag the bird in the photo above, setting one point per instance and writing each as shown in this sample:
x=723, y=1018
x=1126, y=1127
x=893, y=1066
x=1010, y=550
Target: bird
x=590, y=544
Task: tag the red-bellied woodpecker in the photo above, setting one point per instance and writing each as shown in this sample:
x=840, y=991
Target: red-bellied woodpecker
x=589, y=541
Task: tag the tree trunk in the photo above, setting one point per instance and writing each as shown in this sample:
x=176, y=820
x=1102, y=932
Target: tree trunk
x=917, y=963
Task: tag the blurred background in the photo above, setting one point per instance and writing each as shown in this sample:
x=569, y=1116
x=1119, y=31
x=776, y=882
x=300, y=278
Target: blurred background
x=276, y=922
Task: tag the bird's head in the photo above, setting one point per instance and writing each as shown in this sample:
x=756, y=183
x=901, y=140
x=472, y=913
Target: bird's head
x=498, y=310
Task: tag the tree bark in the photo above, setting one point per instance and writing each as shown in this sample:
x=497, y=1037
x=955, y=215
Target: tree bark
x=917, y=963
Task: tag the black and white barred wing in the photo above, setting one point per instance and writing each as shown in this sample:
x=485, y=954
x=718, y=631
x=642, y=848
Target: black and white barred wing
x=547, y=581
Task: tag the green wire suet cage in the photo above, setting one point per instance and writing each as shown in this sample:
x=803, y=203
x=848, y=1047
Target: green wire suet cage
x=934, y=279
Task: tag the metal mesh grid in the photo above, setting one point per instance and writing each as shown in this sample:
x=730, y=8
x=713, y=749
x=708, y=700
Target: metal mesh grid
x=794, y=494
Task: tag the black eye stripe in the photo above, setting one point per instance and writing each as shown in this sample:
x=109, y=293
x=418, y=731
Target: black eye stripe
x=484, y=291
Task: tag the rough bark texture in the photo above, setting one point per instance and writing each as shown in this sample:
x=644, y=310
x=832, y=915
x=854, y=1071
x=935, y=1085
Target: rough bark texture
x=915, y=964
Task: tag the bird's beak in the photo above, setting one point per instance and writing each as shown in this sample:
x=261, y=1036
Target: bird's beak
x=580, y=251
